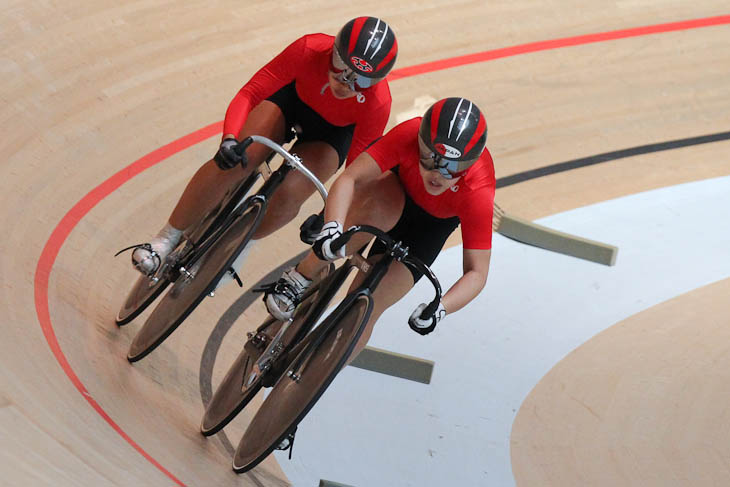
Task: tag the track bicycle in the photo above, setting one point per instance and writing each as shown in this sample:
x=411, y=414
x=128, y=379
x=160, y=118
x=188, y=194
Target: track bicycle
x=299, y=358
x=199, y=262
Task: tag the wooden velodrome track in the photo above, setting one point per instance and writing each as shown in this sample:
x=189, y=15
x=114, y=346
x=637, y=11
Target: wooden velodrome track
x=88, y=88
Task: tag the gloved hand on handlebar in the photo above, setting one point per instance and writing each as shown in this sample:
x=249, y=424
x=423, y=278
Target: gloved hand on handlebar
x=323, y=241
x=229, y=155
x=426, y=325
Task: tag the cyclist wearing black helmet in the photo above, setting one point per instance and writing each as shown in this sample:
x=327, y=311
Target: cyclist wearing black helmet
x=419, y=182
x=331, y=89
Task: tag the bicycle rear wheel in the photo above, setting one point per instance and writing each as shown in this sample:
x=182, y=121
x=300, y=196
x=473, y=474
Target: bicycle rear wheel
x=188, y=291
x=289, y=401
x=142, y=294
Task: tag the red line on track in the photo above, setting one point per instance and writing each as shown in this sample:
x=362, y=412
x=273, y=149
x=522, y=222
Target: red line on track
x=59, y=236
x=481, y=57
x=74, y=216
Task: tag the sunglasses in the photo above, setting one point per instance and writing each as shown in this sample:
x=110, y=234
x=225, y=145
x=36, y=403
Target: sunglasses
x=445, y=167
x=448, y=168
x=342, y=73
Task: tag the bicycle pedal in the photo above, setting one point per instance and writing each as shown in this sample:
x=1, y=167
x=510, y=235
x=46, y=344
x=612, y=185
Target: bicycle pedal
x=263, y=288
x=236, y=277
x=288, y=442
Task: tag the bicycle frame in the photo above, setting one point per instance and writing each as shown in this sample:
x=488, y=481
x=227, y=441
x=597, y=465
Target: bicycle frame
x=332, y=285
x=375, y=274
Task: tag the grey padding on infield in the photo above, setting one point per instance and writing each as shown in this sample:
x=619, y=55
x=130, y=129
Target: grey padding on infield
x=531, y=233
x=328, y=483
x=395, y=364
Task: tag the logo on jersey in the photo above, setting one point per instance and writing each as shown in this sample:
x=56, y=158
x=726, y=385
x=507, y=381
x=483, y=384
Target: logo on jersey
x=361, y=64
x=447, y=151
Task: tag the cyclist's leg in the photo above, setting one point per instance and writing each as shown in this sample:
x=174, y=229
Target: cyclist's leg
x=320, y=158
x=210, y=183
x=323, y=148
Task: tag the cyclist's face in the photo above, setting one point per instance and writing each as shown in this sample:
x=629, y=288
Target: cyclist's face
x=339, y=89
x=434, y=182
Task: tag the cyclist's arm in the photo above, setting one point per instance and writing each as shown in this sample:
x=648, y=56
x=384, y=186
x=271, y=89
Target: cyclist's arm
x=277, y=73
x=476, y=269
x=362, y=170
x=369, y=128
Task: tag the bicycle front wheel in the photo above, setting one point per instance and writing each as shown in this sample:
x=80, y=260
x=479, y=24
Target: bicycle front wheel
x=189, y=290
x=237, y=389
x=239, y=386
x=290, y=400
x=142, y=294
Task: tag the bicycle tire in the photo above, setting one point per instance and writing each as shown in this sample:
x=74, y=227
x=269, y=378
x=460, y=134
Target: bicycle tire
x=139, y=298
x=186, y=294
x=290, y=401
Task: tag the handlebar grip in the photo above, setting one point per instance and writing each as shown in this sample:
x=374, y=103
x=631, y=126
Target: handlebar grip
x=240, y=148
x=429, y=310
x=340, y=241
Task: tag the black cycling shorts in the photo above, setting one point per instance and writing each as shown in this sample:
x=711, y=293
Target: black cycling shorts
x=313, y=126
x=423, y=233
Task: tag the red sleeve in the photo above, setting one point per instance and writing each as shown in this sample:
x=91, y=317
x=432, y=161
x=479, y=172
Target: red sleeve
x=278, y=73
x=476, y=219
x=368, y=129
x=389, y=150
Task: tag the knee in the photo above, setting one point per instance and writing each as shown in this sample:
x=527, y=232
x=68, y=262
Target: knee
x=287, y=201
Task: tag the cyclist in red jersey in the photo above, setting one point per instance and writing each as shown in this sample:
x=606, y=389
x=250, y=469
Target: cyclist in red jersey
x=418, y=182
x=332, y=89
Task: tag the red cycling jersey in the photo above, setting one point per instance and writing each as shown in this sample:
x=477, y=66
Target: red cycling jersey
x=471, y=199
x=306, y=62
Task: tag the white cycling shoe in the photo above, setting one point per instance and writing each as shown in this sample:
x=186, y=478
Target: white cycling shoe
x=285, y=295
x=147, y=258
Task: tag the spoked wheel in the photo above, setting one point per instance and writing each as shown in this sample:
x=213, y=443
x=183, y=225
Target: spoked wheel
x=142, y=294
x=290, y=400
x=192, y=286
x=239, y=386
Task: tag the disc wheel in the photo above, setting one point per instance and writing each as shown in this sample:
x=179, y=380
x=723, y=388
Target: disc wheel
x=290, y=400
x=188, y=291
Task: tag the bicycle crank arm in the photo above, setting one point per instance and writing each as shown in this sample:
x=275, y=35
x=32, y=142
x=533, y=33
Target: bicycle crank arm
x=267, y=357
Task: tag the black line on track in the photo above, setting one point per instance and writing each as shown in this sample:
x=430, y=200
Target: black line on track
x=521, y=177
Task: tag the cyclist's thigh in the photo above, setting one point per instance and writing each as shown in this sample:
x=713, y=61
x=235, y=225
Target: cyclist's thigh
x=320, y=158
x=423, y=234
x=266, y=119
x=378, y=203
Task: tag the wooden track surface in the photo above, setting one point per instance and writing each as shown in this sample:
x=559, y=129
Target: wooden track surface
x=90, y=87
